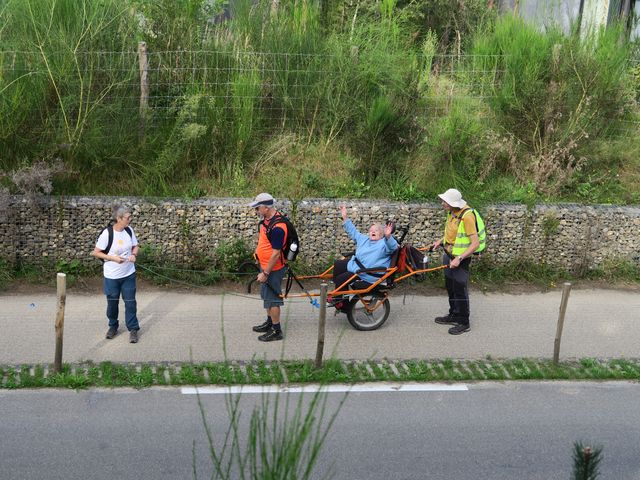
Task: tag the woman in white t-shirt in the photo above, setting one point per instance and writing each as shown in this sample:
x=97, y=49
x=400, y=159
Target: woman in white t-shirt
x=117, y=246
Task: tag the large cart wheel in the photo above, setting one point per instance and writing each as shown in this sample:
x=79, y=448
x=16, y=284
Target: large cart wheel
x=368, y=311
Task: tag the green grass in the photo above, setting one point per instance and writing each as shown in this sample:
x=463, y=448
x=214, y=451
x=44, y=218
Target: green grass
x=108, y=374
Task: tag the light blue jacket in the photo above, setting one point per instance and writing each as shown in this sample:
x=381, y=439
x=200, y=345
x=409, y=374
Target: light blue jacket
x=371, y=253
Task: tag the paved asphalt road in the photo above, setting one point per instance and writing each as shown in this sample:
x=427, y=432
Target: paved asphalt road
x=496, y=431
x=182, y=326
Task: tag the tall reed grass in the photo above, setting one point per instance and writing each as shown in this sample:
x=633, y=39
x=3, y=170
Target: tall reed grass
x=62, y=64
x=525, y=107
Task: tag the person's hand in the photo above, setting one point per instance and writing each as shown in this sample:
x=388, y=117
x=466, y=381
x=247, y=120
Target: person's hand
x=454, y=263
x=117, y=259
x=388, y=230
x=343, y=211
x=132, y=258
x=436, y=244
x=262, y=277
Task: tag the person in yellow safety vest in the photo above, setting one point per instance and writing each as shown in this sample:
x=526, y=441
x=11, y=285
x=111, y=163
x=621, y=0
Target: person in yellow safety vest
x=464, y=235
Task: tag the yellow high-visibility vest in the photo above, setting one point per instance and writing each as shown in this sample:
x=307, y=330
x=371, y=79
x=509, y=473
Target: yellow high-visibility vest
x=462, y=239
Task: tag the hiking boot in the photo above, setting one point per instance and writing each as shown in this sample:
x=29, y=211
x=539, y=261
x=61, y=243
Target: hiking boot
x=460, y=328
x=112, y=332
x=133, y=336
x=446, y=320
x=271, y=335
x=263, y=327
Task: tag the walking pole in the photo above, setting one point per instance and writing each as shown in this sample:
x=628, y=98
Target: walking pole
x=62, y=299
x=321, y=324
x=566, y=289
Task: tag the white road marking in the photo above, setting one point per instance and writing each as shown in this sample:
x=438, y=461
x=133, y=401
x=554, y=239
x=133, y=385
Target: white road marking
x=333, y=388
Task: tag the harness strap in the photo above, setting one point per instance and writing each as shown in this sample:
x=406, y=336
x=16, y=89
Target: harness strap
x=362, y=267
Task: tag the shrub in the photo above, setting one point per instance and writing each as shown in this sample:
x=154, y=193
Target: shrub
x=36, y=180
x=74, y=269
x=203, y=269
x=553, y=94
x=230, y=255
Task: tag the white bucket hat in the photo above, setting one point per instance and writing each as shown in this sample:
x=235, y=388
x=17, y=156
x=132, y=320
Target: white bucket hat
x=454, y=198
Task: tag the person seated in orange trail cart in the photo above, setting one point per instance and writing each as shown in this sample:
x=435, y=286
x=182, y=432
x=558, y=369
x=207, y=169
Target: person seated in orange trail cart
x=373, y=250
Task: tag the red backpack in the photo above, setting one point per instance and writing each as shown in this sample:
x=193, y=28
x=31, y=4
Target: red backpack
x=410, y=256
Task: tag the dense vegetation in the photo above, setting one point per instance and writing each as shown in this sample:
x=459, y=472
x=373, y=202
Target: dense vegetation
x=381, y=98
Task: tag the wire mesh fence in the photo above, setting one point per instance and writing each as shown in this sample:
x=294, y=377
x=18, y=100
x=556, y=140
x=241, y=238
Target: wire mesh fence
x=263, y=89
x=275, y=84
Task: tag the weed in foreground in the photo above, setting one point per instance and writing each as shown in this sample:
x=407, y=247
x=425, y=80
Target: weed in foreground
x=586, y=461
x=283, y=440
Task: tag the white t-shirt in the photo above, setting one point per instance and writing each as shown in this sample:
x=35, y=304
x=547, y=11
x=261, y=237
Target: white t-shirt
x=121, y=247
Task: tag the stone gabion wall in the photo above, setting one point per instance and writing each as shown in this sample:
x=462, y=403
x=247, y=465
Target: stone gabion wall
x=573, y=237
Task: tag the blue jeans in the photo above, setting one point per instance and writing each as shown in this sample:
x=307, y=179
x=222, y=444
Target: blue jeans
x=127, y=287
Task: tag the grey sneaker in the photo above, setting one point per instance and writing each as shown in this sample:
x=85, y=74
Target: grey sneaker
x=133, y=336
x=112, y=332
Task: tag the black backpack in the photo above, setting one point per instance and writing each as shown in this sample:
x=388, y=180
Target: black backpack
x=109, y=229
x=288, y=254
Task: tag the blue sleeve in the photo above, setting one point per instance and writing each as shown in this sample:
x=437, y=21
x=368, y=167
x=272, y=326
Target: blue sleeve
x=391, y=244
x=276, y=238
x=352, y=231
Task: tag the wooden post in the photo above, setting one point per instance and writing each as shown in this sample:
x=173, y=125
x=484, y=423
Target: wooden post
x=143, y=61
x=62, y=300
x=321, y=324
x=566, y=289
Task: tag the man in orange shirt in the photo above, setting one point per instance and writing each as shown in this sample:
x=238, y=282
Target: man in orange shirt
x=272, y=236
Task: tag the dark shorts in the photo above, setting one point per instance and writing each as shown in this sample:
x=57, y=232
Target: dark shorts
x=271, y=296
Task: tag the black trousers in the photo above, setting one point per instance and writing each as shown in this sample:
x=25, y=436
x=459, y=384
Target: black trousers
x=340, y=273
x=457, y=282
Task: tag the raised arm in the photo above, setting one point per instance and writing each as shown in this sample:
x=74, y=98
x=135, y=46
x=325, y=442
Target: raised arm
x=349, y=227
x=390, y=242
